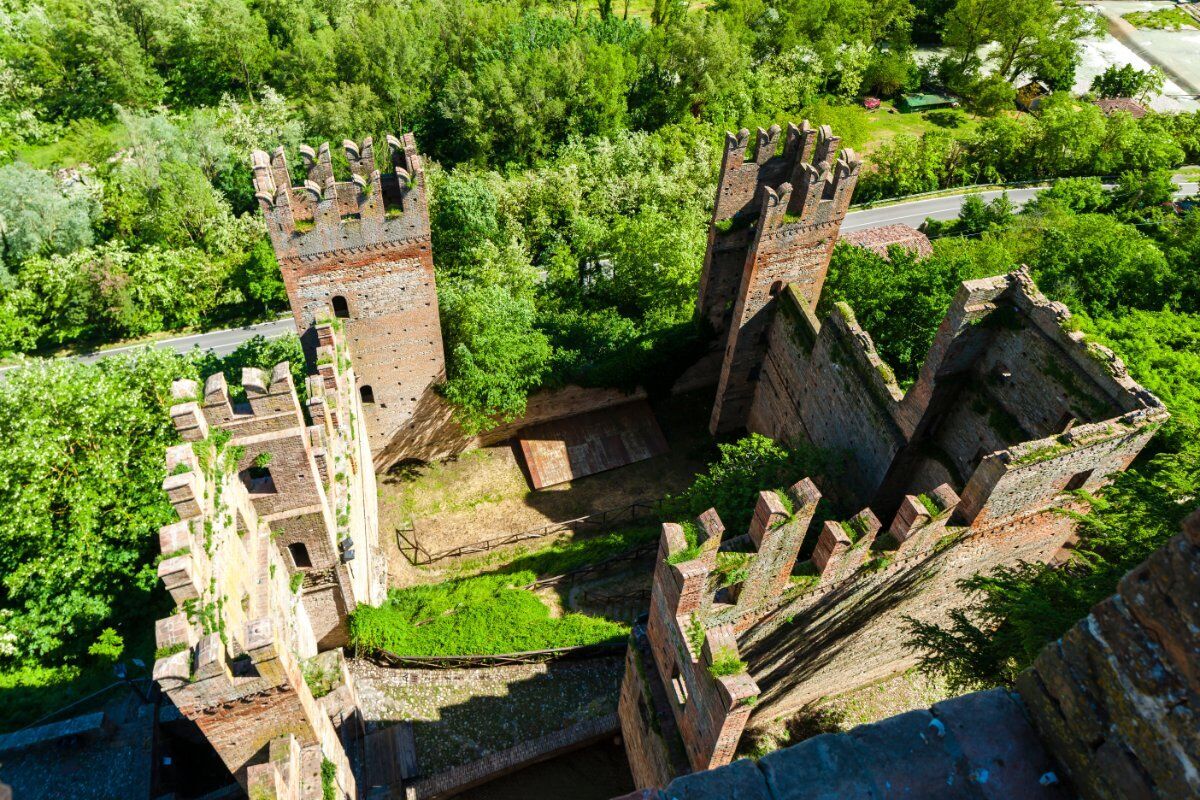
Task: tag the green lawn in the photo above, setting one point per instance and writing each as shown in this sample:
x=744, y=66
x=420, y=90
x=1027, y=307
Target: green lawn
x=1166, y=19
x=473, y=616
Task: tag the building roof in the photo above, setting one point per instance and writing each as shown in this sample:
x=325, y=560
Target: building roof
x=1110, y=105
x=918, y=101
x=878, y=240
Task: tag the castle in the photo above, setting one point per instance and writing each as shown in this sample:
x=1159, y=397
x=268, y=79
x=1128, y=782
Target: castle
x=278, y=538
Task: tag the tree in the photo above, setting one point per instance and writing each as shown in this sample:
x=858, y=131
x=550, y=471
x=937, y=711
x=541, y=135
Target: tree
x=221, y=46
x=496, y=355
x=1039, y=37
x=1128, y=81
x=39, y=217
x=81, y=463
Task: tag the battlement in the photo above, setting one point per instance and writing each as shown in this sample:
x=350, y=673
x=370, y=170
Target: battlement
x=822, y=178
x=776, y=220
x=321, y=216
x=1011, y=406
x=276, y=542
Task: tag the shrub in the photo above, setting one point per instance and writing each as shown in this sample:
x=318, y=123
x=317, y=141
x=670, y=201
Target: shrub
x=746, y=467
x=725, y=662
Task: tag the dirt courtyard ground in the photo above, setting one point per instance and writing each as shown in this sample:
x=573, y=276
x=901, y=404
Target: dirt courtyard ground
x=485, y=494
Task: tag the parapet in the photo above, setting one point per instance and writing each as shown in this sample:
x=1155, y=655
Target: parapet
x=809, y=183
x=322, y=217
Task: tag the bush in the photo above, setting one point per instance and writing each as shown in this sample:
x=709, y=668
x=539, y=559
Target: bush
x=725, y=662
x=745, y=468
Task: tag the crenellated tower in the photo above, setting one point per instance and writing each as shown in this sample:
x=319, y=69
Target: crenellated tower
x=276, y=543
x=775, y=223
x=359, y=250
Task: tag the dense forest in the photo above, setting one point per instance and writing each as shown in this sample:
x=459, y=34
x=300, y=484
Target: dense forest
x=573, y=150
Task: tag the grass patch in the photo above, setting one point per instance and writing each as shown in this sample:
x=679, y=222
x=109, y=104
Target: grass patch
x=805, y=576
x=725, y=663
x=1164, y=19
x=931, y=506
x=732, y=568
x=485, y=615
x=320, y=680
x=691, y=532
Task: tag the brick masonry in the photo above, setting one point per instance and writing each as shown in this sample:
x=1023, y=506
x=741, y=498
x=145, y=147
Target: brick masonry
x=276, y=543
x=1105, y=713
x=360, y=250
x=775, y=223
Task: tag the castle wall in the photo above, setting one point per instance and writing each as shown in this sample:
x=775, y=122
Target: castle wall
x=849, y=632
x=791, y=241
x=360, y=250
x=824, y=384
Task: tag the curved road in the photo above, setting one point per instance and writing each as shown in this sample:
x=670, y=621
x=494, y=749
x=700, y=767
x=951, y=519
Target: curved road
x=910, y=212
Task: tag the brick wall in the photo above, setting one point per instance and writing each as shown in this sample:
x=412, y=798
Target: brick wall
x=793, y=208
x=1105, y=713
x=360, y=249
x=1115, y=700
x=252, y=483
x=825, y=384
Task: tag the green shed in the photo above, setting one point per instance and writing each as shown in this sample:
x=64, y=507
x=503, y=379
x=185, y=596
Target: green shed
x=925, y=102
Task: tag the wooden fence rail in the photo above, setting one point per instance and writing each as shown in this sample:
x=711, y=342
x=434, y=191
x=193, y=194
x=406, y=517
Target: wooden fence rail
x=389, y=659
x=411, y=548
x=610, y=564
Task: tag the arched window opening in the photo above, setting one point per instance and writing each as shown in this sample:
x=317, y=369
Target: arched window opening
x=367, y=394
x=299, y=555
x=341, y=309
x=776, y=288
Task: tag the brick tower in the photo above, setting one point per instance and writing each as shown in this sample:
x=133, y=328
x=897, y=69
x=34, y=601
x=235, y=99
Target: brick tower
x=775, y=223
x=360, y=250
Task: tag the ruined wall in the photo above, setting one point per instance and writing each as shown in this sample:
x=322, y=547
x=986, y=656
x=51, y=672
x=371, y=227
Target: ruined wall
x=276, y=542
x=360, y=250
x=1010, y=408
x=791, y=241
x=229, y=656
x=1115, y=700
x=825, y=384
x=708, y=710
x=1106, y=713
x=848, y=628
x=312, y=486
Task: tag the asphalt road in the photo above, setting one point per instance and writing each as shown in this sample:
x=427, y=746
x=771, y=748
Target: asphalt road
x=912, y=212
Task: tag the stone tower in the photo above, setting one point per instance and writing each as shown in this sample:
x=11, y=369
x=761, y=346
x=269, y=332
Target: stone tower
x=359, y=249
x=277, y=541
x=775, y=223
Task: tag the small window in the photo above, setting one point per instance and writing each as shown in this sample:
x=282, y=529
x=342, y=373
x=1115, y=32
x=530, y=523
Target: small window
x=680, y=687
x=755, y=373
x=299, y=554
x=1078, y=480
x=367, y=394
x=258, y=480
x=341, y=309
x=776, y=288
